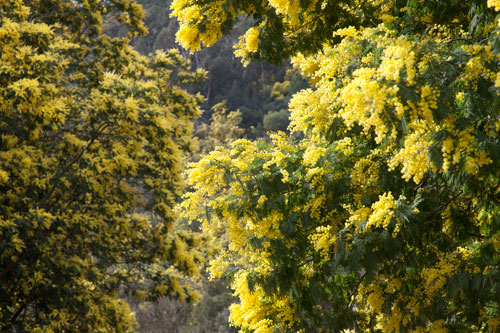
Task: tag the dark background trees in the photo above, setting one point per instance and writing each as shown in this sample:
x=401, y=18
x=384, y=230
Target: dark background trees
x=248, y=89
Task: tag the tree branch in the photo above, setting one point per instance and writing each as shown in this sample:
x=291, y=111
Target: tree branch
x=75, y=159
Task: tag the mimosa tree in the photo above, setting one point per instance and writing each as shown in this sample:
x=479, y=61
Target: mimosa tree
x=386, y=215
x=92, y=136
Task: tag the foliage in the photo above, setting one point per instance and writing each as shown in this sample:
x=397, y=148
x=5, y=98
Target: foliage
x=91, y=145
x=386, y=215
x=166, y=315
x=276, y=120
x=277, y=117
x=248, y=89
x=209, y=314
x=281, y=28
x=224, y=127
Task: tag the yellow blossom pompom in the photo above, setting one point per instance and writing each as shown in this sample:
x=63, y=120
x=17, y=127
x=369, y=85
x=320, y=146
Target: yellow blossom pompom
x=252, y=39
x=495, y=4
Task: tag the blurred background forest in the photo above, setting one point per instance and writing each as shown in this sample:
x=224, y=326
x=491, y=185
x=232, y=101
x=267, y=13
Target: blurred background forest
x=240, y=101
x=260, y=91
